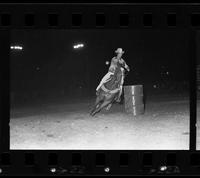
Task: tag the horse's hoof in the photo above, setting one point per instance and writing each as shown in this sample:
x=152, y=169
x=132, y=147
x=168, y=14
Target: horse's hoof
x=92, y=114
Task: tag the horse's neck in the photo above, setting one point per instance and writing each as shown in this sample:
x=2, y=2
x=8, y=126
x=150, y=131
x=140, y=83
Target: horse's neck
x=114, y=82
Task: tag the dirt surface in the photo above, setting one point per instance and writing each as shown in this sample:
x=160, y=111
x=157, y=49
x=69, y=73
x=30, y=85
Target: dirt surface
x=68, y=126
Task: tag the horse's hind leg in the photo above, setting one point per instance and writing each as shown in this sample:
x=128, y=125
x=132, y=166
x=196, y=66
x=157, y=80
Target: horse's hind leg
x=104, y=104
x=97, y=103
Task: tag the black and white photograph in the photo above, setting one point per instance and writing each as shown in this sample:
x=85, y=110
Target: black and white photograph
x=99, y=89
x=198, y=90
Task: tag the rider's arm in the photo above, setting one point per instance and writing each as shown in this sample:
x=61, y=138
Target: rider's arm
x=125, y=65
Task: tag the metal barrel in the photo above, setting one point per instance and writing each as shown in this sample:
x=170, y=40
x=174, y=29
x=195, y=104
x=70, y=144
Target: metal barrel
x=133, y=99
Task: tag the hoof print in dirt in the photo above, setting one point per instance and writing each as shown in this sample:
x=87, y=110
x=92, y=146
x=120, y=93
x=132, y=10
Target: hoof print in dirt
x=50, y=135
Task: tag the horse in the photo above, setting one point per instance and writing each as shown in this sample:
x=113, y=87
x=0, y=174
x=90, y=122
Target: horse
x=108, y=93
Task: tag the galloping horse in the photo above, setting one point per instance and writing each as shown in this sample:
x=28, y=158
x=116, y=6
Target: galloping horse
x=108, y=92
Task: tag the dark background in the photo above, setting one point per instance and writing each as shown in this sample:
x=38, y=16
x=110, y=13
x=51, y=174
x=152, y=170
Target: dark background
x=49, y=67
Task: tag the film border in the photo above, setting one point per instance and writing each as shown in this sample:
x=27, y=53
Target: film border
x=129, y=16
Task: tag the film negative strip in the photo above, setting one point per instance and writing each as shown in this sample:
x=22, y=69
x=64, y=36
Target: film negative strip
x=53, y=58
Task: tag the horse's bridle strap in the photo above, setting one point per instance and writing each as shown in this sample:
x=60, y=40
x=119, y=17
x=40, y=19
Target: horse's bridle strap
x=109, y=91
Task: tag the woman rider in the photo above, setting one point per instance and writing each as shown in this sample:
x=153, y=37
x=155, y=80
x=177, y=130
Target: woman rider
x=115, y=62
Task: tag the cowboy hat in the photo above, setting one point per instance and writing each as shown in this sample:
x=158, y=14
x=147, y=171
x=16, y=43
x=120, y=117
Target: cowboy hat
x=119, y=50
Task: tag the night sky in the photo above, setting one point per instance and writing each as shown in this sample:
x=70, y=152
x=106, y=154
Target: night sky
x=49, y=63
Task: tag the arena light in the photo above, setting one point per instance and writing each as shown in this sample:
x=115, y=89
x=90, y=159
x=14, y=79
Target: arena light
x=107, y=62
x=78, y=46
x=163, y=168
x=16, y=47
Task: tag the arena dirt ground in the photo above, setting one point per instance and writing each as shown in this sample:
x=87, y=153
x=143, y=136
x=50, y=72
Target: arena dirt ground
x=68, y=126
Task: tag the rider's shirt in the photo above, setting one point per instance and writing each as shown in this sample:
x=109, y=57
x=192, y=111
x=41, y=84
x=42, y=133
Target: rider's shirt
x=116, y=63
x=113, y=65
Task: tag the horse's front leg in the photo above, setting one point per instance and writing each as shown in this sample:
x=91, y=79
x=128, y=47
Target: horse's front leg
x=97, y=102
x=112, y=99
x=99, y=99
x=107, y=102
x=104, y=104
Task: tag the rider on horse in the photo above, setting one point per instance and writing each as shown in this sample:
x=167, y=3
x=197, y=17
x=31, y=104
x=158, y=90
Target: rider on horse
x=115, y=62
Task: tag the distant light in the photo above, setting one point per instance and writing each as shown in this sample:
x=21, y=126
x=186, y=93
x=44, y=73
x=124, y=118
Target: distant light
x=53, y=170
x=163, y=168
x=167, y=73
x=78, y=46
x=107, y=62
x=107, y=169
x=154, y=86
x=16, y=47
